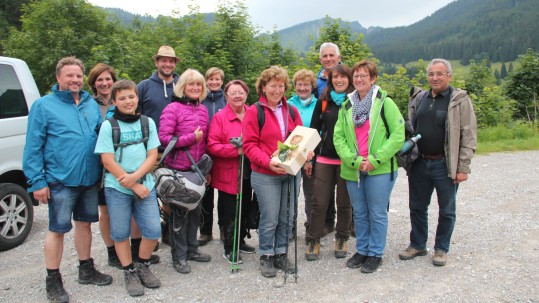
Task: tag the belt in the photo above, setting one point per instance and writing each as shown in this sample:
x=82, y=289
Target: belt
x=432, y=157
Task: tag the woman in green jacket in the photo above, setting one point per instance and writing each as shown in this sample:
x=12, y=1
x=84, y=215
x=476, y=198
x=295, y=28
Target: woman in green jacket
x=366, y=149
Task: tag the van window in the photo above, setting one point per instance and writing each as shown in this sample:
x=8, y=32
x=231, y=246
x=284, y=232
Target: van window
x=12, y=101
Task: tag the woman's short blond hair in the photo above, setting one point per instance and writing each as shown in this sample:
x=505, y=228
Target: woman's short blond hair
x=304, y=75
x=274, y=72
x=215, y=70
x=189, y=76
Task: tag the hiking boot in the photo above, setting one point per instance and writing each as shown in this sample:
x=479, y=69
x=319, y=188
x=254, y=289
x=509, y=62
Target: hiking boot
x=132, y=283
x=439, y=258
x=154, y=259
x=371, y=265
x=246, y=248
x=313, y=250
x=88, y=274
x=55, y=288
x=356, y=261
x=341, y=248
x=146, y=276
x=228, y=257
x=266, y=266
x=409, y=253
x=114, y=261
x=197, y=256
x=281, y=261
x=182, y=266
x=204, y=239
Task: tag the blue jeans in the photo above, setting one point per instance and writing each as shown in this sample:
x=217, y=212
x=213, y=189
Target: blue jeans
x=369, y=203
x=66, y=201
x=424, y=177
x=272, y=194
x=122, y=206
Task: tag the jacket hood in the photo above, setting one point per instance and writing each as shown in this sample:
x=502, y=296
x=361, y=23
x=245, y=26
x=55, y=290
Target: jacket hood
x=67, y=96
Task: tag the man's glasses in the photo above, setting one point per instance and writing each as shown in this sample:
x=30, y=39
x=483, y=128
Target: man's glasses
x=440, y=74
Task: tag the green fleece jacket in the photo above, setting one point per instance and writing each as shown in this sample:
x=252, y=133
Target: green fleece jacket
x=381, y=149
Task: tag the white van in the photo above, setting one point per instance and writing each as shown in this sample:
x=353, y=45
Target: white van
x=17, y=93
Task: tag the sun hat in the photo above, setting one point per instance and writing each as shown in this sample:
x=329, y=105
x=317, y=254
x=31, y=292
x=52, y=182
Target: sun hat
x=165, y=51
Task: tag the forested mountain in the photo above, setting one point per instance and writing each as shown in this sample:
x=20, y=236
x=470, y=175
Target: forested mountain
x=495, y=29
x=298, y=37
x=463, y=29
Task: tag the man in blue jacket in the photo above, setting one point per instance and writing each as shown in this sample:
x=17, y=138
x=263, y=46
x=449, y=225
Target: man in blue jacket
x=63, y=172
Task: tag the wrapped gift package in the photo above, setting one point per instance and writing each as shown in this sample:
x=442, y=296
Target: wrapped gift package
x=306, y=140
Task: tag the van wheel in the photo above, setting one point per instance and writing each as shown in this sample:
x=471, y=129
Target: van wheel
x=16, y=215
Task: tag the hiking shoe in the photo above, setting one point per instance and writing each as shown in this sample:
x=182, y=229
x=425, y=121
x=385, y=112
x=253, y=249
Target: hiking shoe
x=132, y=283
x=371, y=265
x=88, y=274
x=313, y=250
x=341, y=248
x=356, y=261
x=266, y=266
x=409, y=253
x=154, y=259
x=146, y=276
x=246, y=248
x=204, y=239
x=182, y=266
x=115, y=262
x=439, y=258
x=55, y=288
x=228, y=257
x=197, y=256
x=280, y=261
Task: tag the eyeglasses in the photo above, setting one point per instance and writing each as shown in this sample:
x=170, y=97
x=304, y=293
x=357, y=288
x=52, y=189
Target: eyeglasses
x=439, y=74
x=234, y=94
x=360, y=76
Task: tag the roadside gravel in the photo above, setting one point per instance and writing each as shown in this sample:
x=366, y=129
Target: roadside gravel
x=494, y=255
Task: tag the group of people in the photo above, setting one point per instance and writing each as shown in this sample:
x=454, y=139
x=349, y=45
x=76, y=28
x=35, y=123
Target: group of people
x=123, y=129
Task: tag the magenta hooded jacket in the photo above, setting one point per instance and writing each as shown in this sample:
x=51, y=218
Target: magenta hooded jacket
x=181, y=118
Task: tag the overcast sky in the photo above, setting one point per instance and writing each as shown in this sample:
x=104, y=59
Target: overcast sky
x=285, y=13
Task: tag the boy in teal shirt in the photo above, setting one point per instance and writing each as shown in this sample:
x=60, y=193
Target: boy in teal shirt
x=129, y=188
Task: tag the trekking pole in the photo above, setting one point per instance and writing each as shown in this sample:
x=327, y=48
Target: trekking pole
x=287, y=232
x=234, y=265
x=295, y=229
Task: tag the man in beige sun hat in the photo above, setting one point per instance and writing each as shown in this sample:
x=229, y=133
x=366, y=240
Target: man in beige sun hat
x=156, y=92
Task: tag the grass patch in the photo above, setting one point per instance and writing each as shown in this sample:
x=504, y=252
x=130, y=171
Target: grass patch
x=519, y=136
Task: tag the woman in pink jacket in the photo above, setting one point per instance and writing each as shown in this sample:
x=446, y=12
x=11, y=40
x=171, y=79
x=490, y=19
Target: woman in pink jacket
x=186, y=118
x=225, y=125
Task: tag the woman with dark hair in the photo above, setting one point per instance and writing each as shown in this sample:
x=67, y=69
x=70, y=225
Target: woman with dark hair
x=100, y=80
x=226, y=125
x=327, y=170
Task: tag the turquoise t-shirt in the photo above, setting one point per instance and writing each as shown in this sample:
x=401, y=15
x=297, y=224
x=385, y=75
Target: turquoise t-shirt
x=132, y=155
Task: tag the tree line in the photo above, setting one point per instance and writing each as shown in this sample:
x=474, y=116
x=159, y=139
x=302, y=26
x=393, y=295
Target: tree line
x=48, y=30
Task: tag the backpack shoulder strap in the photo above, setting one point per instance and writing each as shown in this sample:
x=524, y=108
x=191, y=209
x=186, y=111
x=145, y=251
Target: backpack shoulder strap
x=324, y=105
x=116, y=132
x=291, y=112
x=383, y=116
x=260, y=114
x=145, y=128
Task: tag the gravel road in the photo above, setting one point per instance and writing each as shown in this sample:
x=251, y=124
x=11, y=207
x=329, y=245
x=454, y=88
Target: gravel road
x=494, y=255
